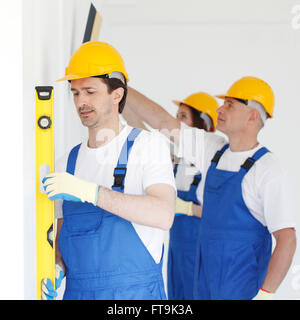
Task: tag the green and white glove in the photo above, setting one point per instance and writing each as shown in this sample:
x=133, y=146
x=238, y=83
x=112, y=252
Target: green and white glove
x=65, y=186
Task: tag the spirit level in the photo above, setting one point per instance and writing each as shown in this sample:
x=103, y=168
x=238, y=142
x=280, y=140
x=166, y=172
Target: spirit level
x=45, y=248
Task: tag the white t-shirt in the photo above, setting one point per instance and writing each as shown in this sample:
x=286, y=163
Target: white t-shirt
x=149, y=163
x=267, y=187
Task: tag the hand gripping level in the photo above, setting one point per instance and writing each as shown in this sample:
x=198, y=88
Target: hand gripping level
x=45, y=248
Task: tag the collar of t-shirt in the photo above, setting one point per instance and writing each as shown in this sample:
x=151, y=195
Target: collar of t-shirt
x=232, y=160
x=112, y=144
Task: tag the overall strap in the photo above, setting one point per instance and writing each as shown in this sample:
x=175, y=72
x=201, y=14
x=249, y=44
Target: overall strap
x=72, y=159
x=251, y=160
x=218, y=155
x=197, y=179
x=121, y=168
x=175, y=169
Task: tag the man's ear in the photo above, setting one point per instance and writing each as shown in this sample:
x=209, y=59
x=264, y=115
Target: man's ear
x=118, y=95
x=254, y=115
x=255, y=118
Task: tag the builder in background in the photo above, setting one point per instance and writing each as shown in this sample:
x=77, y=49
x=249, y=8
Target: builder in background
x=115, y=192
x=197, y=110
x=245, y=191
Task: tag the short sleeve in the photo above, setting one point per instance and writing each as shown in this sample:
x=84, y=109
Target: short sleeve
x=157, y=164
x=279, y=201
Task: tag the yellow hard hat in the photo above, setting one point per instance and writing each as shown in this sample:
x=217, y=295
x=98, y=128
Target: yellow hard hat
x=204, y=103
x=94, y=58
x=251, y=88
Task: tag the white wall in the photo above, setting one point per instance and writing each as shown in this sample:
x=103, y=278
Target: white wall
x=11, y=159
x=171, y=48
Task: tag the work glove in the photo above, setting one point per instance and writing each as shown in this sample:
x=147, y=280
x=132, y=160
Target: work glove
x=184, y=207
x=48, y=292
x=65, y=186
x=264, y=295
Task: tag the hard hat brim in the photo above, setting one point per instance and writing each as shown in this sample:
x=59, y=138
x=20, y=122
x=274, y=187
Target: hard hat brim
x=224, y=96
x=177, y=102
x=73, y=77
x=221, y=96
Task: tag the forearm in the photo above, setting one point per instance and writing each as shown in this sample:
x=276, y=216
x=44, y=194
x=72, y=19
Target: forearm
x=141, y=209
x=197, y=210
x=132, y=119
x=152, y=113
x=281, y=259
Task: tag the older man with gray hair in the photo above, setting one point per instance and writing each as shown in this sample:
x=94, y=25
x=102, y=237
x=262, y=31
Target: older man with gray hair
x=245, y=191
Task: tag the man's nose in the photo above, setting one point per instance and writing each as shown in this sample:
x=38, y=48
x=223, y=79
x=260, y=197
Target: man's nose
x=220, y=109
x=82, y=100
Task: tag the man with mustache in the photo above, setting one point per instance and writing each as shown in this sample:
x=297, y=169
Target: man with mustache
x=115, y=192
x=245, y=191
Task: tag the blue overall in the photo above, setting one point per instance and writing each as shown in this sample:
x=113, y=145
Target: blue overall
x=182, y=248
x=105, y=258
x=234, y=248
